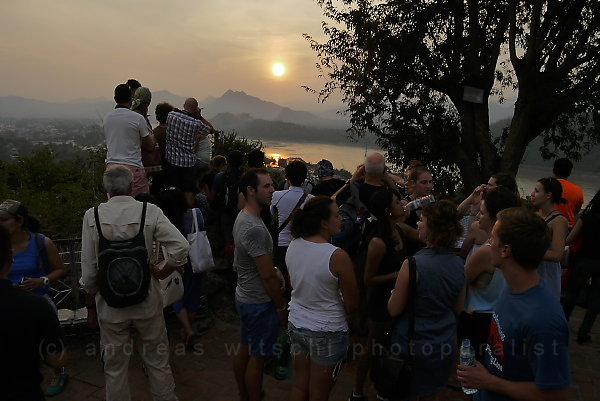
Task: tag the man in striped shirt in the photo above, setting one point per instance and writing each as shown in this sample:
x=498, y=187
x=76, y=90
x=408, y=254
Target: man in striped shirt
x=183, y=128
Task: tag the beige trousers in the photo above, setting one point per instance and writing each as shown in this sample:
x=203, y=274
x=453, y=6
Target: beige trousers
x=116, y=342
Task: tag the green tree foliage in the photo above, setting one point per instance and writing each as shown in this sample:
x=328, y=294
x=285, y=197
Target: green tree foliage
x=230, y=141
x=418, y=74
x=56, y=192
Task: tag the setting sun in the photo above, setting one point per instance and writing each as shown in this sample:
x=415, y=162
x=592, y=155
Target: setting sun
x=278, y=69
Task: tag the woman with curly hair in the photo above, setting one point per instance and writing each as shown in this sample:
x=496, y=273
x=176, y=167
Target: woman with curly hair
x=439, y=297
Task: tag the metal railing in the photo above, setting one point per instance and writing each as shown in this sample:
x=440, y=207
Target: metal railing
x=67, y=293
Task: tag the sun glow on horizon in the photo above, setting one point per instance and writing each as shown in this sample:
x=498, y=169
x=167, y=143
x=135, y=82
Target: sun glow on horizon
x=278, y=69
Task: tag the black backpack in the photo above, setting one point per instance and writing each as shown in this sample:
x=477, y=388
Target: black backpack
x=354, y=214
x=123, y=270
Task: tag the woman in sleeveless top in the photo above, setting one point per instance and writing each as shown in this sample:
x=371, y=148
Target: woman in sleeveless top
x=175, y=208
x=29, y=271
x=324, y=292
x=485, y=282
x=587, y=266
x=32, y=271
x=439, y=298
x=545, y=196
x=385, y=253
x=419, y=184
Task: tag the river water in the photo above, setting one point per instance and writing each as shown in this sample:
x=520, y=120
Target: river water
x=349, y=156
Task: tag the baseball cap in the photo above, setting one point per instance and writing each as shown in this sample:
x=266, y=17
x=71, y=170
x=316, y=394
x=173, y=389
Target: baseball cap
x=140, y=96
x=9, y=208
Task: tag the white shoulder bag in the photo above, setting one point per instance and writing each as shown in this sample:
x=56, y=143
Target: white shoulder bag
x=200, y=253
x=171, y=288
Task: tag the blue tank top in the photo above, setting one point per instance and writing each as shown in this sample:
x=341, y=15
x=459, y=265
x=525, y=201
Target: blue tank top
x=29, y=263
x=484, y=299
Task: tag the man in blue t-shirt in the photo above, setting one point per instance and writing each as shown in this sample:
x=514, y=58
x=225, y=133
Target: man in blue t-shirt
x=526, y=356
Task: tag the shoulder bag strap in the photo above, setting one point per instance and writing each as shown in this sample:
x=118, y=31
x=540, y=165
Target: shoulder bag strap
x=412, y=297
x=98, y=223
x=285, y=223
x=194, y=222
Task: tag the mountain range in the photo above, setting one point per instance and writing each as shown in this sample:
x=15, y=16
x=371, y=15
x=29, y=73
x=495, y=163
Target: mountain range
x=255, y=118
x=232, y=102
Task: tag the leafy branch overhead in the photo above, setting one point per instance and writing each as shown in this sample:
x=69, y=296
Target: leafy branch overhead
x=418, y=74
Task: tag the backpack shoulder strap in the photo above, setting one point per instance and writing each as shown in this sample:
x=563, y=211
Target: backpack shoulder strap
x=143, y=222
x=98, y=223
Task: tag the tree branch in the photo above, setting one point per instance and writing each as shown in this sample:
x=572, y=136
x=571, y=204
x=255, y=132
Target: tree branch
x=534, y=28
x=512, y=36
x=567, y=27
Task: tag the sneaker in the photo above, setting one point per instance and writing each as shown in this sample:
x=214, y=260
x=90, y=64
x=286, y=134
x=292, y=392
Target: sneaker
x=354, y=397
x=57, y=384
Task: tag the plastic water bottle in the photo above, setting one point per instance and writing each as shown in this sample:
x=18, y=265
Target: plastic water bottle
x=421, y=202
x=467, y=358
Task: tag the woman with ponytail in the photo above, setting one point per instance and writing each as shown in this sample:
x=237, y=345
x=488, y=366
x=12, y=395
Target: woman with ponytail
x=386, y=251
x=546, y=195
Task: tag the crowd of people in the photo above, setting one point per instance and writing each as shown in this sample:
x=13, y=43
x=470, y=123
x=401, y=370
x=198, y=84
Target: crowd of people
x=327, y=267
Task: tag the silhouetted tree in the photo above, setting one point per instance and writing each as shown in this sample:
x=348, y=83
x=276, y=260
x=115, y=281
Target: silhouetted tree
x=419, y=73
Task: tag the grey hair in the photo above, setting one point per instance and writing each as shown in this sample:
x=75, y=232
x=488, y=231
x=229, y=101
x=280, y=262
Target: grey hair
x=374, y=168
x=117, y=180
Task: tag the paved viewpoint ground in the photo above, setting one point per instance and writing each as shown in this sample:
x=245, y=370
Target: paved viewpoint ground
x=206, y=374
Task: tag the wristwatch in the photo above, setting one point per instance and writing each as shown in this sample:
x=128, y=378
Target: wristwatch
x=46, y=281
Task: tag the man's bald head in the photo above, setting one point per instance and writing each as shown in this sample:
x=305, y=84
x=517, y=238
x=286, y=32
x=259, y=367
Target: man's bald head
x=375, y=164
x=191, y=105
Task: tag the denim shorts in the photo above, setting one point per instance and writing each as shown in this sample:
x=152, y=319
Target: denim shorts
x=259, y=328
x=325, y=348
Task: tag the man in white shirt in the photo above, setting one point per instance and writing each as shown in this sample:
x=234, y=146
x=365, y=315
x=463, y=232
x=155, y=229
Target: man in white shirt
x=126, y=133
x=283, y=205
x=120, y=219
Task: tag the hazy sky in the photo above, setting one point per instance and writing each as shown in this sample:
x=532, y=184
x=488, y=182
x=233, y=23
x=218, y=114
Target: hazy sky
x=65, y=49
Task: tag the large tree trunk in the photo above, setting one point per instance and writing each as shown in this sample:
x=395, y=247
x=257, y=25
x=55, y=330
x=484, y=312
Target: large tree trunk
x=521, y=133
x=478, y=158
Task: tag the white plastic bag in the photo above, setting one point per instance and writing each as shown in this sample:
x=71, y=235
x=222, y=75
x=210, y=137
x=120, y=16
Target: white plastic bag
x=200, y=253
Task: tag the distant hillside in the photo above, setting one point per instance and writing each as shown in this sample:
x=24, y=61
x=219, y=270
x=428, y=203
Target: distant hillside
x=230, y=102
x=20, y=107
x=532, y=157
x=281, y=131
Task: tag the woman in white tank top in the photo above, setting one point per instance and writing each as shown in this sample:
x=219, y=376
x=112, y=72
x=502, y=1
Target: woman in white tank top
x=324, y=291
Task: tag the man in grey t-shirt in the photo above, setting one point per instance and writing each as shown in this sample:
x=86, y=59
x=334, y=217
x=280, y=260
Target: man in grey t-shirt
x=258, y=295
